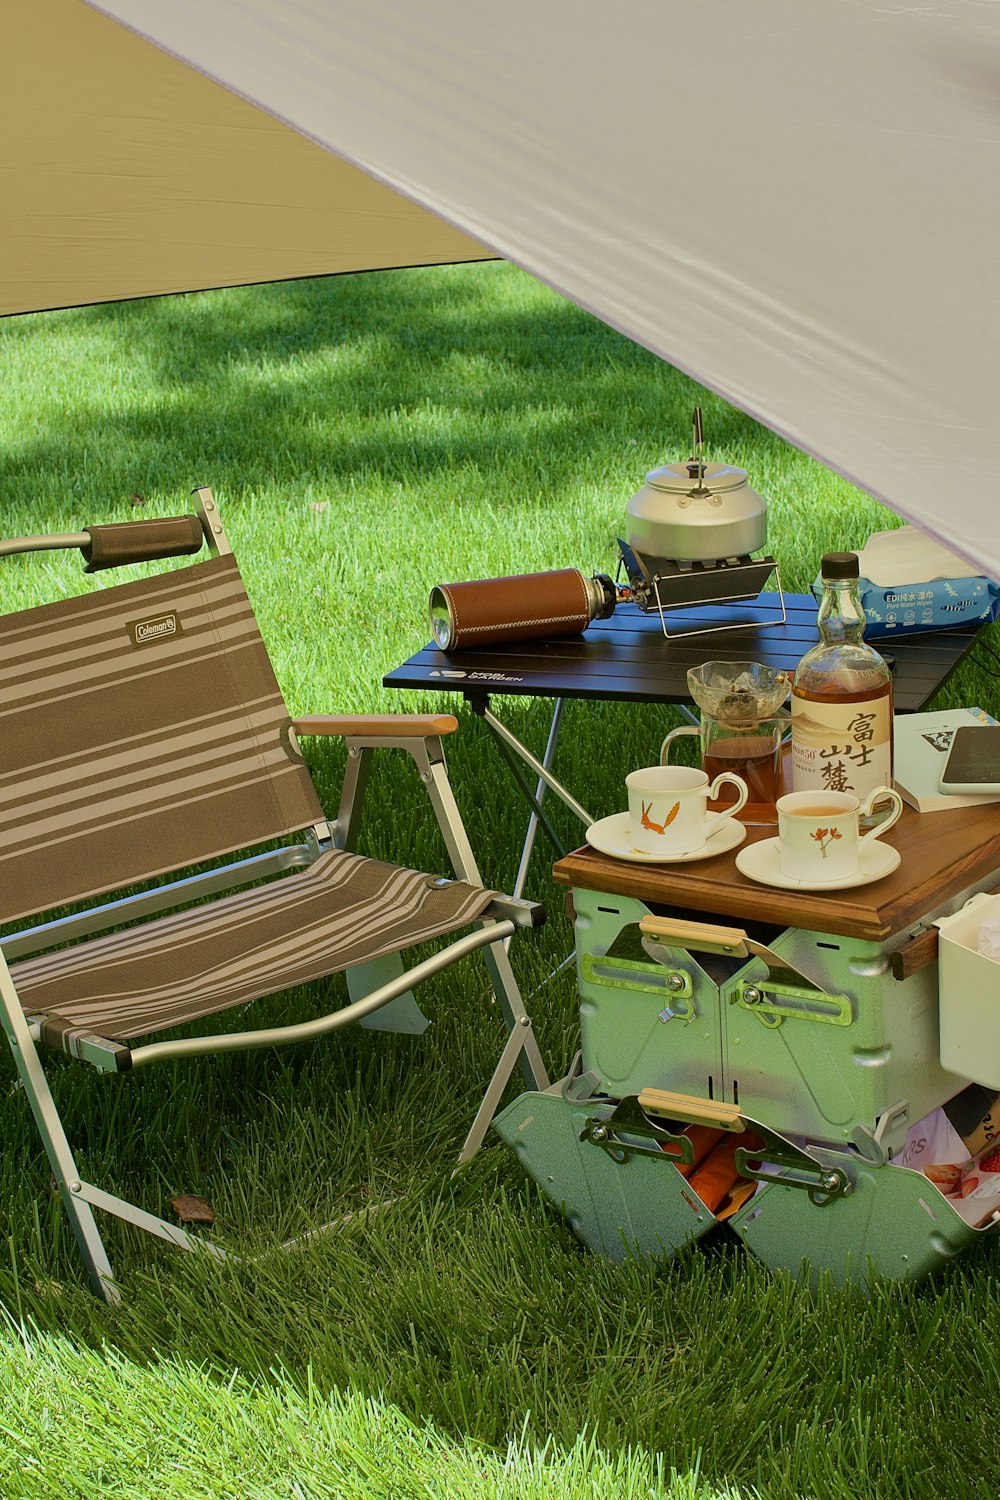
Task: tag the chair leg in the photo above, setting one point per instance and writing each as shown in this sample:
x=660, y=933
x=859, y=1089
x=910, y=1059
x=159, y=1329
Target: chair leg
x=57, y=1147
x=518, y=1021
x=521, y=1048
x=352, y=795
x=512, y=1054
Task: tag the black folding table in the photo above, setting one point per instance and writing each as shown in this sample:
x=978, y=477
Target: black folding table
x=629, y=659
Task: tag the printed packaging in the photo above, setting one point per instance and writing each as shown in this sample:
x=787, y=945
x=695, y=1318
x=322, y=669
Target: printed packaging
x=957, y=1147
x=937, y=604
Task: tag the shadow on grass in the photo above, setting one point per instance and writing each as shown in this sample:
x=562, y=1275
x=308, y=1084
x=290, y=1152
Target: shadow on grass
x=402, y=376
x=470, y=1304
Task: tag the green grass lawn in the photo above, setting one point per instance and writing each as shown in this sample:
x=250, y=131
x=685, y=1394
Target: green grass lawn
x=367, y=437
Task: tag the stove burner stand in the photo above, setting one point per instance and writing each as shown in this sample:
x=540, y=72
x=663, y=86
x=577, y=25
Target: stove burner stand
x=661, y=584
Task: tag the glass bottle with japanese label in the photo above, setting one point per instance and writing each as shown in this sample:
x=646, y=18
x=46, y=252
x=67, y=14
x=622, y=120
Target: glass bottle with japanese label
x=841, y=696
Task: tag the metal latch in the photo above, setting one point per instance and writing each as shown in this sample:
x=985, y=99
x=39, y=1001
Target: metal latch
x=670, y=984
x=823, y=1184
x=627, y=1117
x=889, y=1136
x=784, y=992
x=893, y=1127
x=772, y=1002
x=628, y=1132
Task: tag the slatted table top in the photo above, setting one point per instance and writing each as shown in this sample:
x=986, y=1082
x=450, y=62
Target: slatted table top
x=943, y=855
x=628, y=659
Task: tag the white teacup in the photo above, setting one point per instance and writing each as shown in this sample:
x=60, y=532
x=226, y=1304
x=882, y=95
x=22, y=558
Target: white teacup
x=667, y=808
x=819, y=836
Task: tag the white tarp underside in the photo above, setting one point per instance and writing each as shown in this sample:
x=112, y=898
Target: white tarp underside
x=796, y=201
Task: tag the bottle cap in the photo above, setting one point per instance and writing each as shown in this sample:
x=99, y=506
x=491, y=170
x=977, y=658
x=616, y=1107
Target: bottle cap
x=840, y=565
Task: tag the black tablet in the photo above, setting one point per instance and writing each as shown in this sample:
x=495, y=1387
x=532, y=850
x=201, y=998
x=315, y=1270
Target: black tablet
x=973, y=763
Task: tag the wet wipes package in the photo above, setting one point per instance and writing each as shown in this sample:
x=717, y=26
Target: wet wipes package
x=937, y=604
x=910, y=584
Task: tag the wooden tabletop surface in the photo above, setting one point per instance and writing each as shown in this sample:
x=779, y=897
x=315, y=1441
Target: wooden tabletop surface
x=943, y=854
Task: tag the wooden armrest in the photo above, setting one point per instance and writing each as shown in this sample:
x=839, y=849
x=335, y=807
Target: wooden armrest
x=377, y=726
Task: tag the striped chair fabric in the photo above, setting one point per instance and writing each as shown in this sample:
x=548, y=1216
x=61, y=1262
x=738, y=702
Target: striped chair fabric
x=342, y=910
x=141, y=730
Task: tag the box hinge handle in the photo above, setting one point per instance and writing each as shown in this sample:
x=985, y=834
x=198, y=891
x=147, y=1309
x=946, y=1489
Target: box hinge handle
x=696, y=937
x=660, y=934
x=692, y=1109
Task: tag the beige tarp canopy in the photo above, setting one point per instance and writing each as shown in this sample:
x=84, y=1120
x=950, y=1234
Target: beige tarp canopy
x=124, y=173
x=796, y=201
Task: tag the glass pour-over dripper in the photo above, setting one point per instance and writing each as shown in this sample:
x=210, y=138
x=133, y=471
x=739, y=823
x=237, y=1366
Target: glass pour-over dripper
x=738, y=692
x=741, y=726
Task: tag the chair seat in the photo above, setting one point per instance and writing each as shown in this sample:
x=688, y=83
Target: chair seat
x=342, y=910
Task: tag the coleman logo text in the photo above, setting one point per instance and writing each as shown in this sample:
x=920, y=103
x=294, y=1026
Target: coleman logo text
x=145, y=632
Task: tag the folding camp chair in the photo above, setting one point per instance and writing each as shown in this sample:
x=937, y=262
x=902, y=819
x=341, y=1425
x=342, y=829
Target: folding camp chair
x=142, y=732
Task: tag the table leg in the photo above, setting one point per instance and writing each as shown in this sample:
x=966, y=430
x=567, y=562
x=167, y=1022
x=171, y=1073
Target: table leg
x=542, y=771
x=510, y=760
x=540, y=790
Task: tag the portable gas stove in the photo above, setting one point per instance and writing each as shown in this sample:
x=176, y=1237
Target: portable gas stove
x=690, y=534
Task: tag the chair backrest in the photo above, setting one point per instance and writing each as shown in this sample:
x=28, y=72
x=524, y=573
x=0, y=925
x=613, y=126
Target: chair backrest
x=141, y=730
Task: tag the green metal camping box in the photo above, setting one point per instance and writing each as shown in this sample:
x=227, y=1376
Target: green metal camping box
x=808, y=1020
x=841, y=1214
x=810, y=1030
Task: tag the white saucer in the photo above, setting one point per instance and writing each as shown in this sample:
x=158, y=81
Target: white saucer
x=760, y=862
x=613, y=836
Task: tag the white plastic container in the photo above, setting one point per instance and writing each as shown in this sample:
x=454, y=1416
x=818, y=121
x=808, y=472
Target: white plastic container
x=969, y=994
